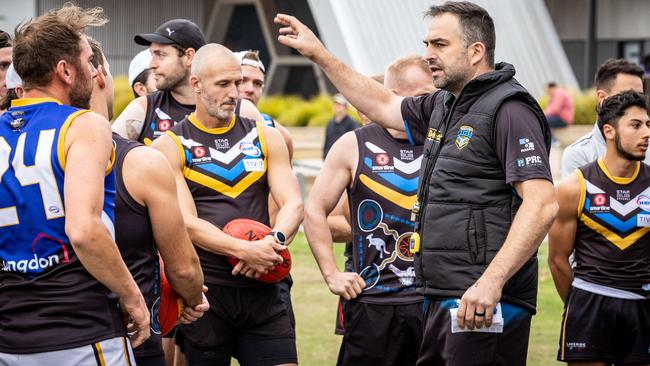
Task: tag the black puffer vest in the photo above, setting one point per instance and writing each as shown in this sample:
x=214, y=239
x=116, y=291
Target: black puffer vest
x=466, y=206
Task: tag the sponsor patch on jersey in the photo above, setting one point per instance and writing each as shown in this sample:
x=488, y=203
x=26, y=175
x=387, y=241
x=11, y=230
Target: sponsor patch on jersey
x=382, y=159
x=600, y=199
x=526, y=145
x=643, y=202
x=164, y=125
x=222, y=144
x=642, y=220
x=199, y=151
x=465, y=134
x=529, y=161
x=249, y=149
x=254, y=165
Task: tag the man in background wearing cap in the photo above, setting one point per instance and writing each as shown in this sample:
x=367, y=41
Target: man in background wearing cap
x=172, y=47
x=339, y=125
x=14, y=88
x=141, y=78
x=5, y=61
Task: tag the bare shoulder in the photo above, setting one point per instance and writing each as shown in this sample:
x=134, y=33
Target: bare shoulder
x=146, y=163
x=569, y=190
x=345, y=150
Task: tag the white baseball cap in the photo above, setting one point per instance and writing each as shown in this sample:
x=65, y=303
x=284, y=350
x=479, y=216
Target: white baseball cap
x=139, y=63
x=246, y=61
x=13, y=80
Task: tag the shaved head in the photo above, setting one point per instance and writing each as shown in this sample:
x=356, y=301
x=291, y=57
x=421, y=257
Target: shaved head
x=212, y=56
x=215, y=79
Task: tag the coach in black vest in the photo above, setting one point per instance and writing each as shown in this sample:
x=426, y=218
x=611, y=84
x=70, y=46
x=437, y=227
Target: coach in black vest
x=486, y=197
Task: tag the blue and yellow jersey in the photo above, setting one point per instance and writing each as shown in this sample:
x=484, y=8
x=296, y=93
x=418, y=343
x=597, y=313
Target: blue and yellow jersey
x=612, y=245
x=226, y=172
x=48, y=300
x=381, y=196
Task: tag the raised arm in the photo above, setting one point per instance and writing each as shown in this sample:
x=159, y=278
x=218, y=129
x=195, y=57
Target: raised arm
x=130, y=122
x=335, y=175
x=368, y=96
x=150, y=181
x=561, y=237
x=88, y=149
x=260, y=256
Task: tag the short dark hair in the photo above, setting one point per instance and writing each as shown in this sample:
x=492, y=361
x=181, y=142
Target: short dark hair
x=141, y=78
x=613, y=108
x=98, y=54
x=5, y=39
x=44, y=41
x=476, y=23
x=551, y=84
x=608, y=71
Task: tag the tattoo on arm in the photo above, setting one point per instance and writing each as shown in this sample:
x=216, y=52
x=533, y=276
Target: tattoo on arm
x=134, y=128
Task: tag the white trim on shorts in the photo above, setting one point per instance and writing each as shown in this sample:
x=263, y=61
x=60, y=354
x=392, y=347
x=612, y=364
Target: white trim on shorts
x=595, y=288
x=110, y=352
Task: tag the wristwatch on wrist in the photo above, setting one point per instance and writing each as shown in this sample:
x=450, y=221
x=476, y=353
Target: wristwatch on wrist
x=279, y=237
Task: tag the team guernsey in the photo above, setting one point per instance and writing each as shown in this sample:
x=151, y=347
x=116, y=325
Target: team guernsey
x=134, y=238
x=225, y=170
x=612, y=248
x=48, y=301
x=381, y=196
x=163, y=113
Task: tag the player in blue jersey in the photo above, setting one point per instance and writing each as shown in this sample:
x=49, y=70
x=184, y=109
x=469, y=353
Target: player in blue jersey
x=59, y=262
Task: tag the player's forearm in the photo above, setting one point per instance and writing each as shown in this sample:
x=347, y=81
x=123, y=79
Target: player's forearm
x=320, y=241
x=530, y=225
x=339, y=228
x=208, y=237
x=186, y=276
x=289, y=217
x=378, y=103
x=100, y=256
x=562, y=274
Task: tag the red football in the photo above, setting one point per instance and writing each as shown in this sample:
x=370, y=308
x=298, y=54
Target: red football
x=251, y=230
x=171, y=305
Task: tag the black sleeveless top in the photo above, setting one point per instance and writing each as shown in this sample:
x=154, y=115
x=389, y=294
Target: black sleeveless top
x=134, y=238
x=163, y=112
x=612, y=245
x=381, y=196
x=225, y=170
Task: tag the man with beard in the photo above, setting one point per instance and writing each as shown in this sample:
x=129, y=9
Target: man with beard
x=605, y=217
x=172, y=47
x=225, y=167
x=379, y=169
x=5, y=61
x=146, y=208
x=141, y=78
x=485, y=198
x=59, y=261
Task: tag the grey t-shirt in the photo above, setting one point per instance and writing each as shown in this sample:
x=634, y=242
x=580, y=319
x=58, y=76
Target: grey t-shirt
x=585, y=150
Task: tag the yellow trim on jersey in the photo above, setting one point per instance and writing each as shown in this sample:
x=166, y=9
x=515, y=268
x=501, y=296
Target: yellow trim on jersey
x=260, y=134
x=583, y=192
x=111, y=163
x=395, y=197
x=619, y=180
x=181, y=151
x=100, y=354
x=217, y=131
x=30, y=101
x=621, y=243
x=60, y=144
x=147, y=141
x=230, y=191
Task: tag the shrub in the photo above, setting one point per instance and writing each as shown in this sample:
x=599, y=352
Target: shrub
x=294, y=111
x=585, y=103
x=123, y=94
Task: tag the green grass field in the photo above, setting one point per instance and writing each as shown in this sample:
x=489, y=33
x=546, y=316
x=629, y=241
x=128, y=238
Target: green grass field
x=315, y=309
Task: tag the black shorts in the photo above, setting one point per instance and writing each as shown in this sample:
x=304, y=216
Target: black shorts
x=249, y=324
x=349, y=267
x=377, y=335
x=442, y=347
x=604, y=329
x=285, y=293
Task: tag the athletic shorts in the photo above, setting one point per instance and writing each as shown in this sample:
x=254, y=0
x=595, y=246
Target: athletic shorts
x=285, y=293
x=377, y=335
x=110, y=352
x=604, y=329
x=339, y=326
x=249, y=324
x=441, y=346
